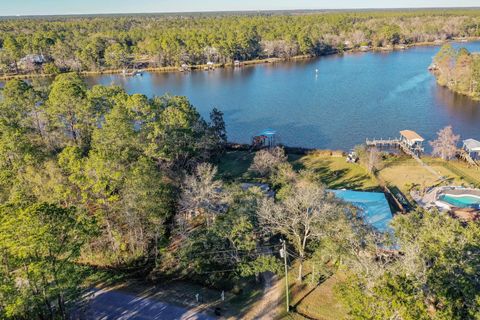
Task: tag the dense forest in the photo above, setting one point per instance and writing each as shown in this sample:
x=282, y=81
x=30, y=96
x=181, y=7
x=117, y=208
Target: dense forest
x=96, y=180
x=56, y=44
x=459, y=70
x=99, y=178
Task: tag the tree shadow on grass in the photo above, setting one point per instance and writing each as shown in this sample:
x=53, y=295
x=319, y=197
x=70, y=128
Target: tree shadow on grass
x=308, y=293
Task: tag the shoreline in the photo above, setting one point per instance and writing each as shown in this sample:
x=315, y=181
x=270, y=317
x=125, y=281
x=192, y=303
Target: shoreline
x=204, y=67
x=452, y=90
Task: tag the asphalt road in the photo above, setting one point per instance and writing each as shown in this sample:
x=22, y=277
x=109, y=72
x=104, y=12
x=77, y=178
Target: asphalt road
x=121, y=305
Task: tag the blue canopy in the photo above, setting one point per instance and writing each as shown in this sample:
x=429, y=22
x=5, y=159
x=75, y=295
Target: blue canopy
x=373, y=204
x=268, y=133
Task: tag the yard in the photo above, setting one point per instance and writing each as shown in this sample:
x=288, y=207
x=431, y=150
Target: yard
x=335, y=172
x=332, y=170
x=318, y=301
x=404, y=172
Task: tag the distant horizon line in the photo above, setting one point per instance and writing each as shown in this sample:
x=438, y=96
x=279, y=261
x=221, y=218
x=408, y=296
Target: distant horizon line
x=231, y=11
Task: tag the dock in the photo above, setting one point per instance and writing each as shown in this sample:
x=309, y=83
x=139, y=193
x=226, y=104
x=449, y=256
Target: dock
x=464, y=155
x=411, y=143
x=132, y=73
x=383, y=142
x=393, y=143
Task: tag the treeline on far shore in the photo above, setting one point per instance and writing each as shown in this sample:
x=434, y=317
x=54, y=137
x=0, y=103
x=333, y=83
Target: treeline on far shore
x=459, y=70
x=52, y=45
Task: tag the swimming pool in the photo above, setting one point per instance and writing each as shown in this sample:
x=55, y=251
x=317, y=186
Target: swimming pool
x=462, y=201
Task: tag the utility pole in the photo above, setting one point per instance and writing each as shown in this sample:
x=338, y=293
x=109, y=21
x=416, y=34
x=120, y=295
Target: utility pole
x=283, y=254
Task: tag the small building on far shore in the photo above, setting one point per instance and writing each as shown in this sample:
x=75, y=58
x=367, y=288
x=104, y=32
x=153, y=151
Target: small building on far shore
x=32, y=61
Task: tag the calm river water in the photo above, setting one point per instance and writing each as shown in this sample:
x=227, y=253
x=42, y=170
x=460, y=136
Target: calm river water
x=352, y=97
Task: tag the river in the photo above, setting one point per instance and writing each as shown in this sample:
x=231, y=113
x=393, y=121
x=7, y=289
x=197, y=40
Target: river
x=350, y=98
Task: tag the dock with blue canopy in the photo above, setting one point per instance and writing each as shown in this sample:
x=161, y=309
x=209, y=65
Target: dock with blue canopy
x=266, y=138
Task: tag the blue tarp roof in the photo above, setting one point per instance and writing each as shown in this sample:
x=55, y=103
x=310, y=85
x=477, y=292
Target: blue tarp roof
x=373, y=204
x=268, y=132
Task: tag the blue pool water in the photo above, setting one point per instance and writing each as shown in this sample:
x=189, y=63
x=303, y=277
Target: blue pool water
x=373, y=204
x=462, y=201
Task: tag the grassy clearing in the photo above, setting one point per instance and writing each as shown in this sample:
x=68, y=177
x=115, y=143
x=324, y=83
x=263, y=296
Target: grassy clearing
x=321, y=302
x=234, y=165
x=336, y=173
x=404, y=172
x=333, y=171
x=314, y=301
x=463, y=173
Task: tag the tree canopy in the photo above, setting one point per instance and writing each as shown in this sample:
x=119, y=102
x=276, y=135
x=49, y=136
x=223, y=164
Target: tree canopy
x=100, y=43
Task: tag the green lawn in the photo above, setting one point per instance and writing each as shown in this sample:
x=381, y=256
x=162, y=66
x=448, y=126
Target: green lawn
x=336, y=173
x=234, y=165
x=314, y=301
x=333, y=171
x=321, y=302
x=403, y=172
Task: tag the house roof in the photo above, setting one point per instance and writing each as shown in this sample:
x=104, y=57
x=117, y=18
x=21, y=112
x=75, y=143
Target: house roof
x=472, y=144
x=411, y=136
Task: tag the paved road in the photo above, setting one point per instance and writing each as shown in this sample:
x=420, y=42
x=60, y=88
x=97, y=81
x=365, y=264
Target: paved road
x=121, y=305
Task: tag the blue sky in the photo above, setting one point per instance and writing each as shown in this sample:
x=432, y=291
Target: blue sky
x=38, y=7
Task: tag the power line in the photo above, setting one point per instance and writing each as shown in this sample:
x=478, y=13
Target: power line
x=218, y=271
x=240, y=251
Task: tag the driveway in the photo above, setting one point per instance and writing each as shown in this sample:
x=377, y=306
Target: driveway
x=121, y=305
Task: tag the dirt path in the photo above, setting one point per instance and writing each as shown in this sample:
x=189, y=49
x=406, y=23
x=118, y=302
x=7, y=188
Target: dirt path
x=268, y=306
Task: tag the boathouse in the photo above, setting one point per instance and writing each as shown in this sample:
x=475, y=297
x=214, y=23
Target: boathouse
x=472, y=147
x=267, y=138
x=412, y=140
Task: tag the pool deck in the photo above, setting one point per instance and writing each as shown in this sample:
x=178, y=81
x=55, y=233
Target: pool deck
x=464, y=192
x=431, y=198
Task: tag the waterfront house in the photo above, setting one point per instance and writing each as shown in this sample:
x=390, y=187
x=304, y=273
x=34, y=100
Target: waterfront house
x=472, y=147
x=412, y=141
x=32, y=61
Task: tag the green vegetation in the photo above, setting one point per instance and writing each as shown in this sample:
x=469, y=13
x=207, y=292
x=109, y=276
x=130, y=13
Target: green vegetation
x=459, y=70
x=405, y=173
x=336, y=173
x=433, y=280
x=94, y=178
x=51, y=45
x=88, y=175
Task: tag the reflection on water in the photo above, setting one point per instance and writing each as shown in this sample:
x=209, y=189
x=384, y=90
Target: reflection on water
x=350, y=98
x=459, y=106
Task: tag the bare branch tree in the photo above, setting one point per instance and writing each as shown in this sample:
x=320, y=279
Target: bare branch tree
x=201, y=193
x=374, y=160
x=445, y=146
x=265, y=161
x=302, y=216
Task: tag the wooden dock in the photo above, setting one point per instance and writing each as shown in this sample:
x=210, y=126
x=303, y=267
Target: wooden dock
x=389, y=142
x=462, y=154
